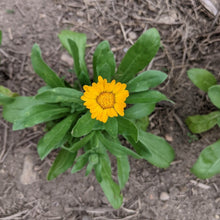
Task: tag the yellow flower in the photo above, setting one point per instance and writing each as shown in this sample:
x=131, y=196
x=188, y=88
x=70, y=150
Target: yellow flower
x=105, y=99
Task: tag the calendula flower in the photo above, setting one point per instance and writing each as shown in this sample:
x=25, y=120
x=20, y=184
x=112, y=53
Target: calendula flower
x=105, y=99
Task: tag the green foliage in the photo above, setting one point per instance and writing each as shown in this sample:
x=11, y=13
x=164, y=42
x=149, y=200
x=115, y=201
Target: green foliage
x=201, y=78
x=75, y=44
x=6, y=96
x=214, y=95
x=208, y=163
x=139, y=55
x=43, y=70
x=200, y=123
x=56, y=95
x=103, y=62
x=146, y=80
x=63, y=161
x=149, y=97
x=81, y=140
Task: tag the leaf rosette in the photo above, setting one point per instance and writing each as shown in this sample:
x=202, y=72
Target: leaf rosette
x=87, y=124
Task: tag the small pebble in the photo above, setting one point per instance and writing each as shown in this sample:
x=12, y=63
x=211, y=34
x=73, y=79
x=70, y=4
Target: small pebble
x=164, y=196
x=168, y=137
x=132, y=35
x=28, y=176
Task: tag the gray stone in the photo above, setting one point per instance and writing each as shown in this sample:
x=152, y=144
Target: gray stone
x=28, y=175
x=164, y=196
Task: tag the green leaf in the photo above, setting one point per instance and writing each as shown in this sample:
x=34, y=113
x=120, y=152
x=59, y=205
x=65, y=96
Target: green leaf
x=161, y=153
x=127, y=127
x=81, y=161
x=115, y=148
x=81, y=143
x=81, y=70
x=93, y=160
x=111, y=126
x=208, y=163
x=39, y=113
x=142, y=123
x=75, y=44
x=151, y=96
x=201, y=123
x=98, y=172
x=43, y=89
x=7, y=92
x=60, y=95
x=146, y=80
x=123, y=170
x=103, y=62
x=15, y=109
x=109, y=187
x=201, y=78
x=139, y=110
x=214, y=95
x=4, y=100
x=63, y=161
x=43, y=70
x=53, y=139
x=139, y=148
x=139, y=55
x=84, y=125
x=0, y=37
x=218, y=122
x=6, y=95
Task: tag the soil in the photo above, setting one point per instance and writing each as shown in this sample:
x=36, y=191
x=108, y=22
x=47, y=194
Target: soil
x=190, y=36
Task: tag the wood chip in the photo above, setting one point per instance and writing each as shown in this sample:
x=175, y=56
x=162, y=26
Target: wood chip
x=200, y=185
x=210, y=6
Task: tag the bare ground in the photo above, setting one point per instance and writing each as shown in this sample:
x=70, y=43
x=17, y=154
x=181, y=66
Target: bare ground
x=190, y=37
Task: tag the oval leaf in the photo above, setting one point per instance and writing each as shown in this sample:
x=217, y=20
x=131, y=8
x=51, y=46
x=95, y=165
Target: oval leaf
x=127, y=127
x=44, y=71
x=139, y=55
x=109, y=187
x=53, y=139
x=63, y=162
x=200, y=123
x=151, y=96
x=103, y=62
x=84, y=125
x=208, y=163
x=60, y=95
x=123, y=169
x=115, y=148
x=75, y=44
x=161, y=153
x=39, y=113
x=146, y=80
x=201, y=78
x=139, y=110
x=111, y=126
x=16, y=109
x=81, y=161
x=214, y=95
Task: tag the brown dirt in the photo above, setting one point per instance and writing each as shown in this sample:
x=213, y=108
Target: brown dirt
x=190, y=38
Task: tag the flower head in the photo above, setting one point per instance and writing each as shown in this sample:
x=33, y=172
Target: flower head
x=105, y=99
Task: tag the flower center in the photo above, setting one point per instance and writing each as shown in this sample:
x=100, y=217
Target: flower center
x=106, y=100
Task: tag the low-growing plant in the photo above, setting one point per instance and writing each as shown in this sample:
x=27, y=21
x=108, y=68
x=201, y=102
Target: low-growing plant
x=208, y=163
x=95, y=115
